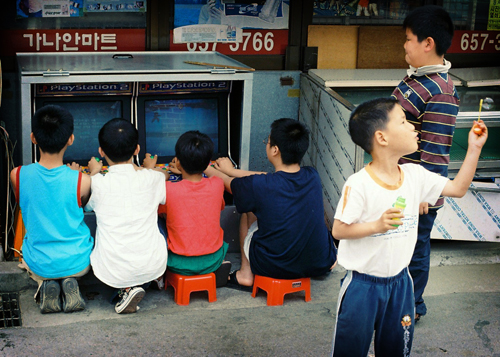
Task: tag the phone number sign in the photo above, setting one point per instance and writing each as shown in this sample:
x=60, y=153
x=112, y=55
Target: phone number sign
x=254, y=42
x=475, y=42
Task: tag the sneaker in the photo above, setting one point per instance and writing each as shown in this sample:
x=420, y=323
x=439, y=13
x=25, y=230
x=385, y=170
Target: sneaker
x=49, y=297
x=71, y=297
x=129, y=298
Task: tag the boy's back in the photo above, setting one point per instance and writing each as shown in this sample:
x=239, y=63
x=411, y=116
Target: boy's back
x=292, y=240
x=58, y=242
x=129, y=248
x=193, y=216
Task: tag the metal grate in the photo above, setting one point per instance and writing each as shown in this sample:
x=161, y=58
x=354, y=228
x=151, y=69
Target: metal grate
x=10, y=312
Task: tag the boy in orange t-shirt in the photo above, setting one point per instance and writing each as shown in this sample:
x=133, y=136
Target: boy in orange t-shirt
x=192, y=212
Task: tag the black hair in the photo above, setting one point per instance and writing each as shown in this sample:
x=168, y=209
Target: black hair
x=292, y=139
x=52, y=126
x=369, y=117
x=431, y=21
x=118, y=139
x=194, y=151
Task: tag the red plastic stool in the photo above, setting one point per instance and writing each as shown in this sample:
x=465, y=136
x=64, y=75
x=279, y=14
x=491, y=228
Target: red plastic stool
x=184, y=285
x=277, y=288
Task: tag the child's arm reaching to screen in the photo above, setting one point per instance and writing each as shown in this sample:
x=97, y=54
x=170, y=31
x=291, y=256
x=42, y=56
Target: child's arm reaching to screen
x=150, y=163
x=225, y=165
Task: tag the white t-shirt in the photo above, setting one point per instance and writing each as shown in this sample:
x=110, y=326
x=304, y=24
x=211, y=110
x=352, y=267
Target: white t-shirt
x=365, y=198
x=129, y=248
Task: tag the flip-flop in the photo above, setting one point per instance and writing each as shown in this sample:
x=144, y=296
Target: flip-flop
x=222, y=273
x=233, y=283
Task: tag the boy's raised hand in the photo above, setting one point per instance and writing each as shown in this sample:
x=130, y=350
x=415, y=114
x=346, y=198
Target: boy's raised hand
x=95, y=166
x=477, y=138
x=387, y=222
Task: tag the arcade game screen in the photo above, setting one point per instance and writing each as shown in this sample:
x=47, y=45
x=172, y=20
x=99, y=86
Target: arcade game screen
x=89, y=117
x=167, y=119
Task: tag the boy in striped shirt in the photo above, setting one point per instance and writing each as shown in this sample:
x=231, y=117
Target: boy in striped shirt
x=430, y=102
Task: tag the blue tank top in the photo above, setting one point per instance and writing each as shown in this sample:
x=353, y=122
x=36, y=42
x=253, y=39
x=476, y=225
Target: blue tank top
x=57, y=242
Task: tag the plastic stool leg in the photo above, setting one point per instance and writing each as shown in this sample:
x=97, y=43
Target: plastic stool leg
x=275, y=297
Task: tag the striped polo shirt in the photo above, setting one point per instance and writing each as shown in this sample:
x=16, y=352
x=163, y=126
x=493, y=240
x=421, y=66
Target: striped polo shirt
x=431, y=104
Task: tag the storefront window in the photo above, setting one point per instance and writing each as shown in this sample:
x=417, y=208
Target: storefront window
x=466, y=14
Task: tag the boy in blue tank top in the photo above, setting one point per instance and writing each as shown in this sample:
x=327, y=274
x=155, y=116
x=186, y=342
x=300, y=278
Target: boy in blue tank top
x=57, y=245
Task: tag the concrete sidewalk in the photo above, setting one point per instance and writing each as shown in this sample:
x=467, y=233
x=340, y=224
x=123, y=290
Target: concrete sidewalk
x=463, y=298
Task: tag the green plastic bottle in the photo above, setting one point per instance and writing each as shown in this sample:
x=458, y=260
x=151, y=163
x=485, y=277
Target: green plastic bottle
x=401, y=204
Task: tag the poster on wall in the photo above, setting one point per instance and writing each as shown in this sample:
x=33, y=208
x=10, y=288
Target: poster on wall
x=218, y=21
x=394, y=9
x=114, y=6
x=494, y=16
x=49, y=8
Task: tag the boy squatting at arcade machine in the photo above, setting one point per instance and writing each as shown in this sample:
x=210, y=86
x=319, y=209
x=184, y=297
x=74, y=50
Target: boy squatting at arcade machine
x=377, y=239
x=58, y=244
x=130, y=251
x=192, y=212
x=283, y=234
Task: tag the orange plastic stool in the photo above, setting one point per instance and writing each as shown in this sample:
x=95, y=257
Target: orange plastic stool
x=277, y=288
x=184, y=285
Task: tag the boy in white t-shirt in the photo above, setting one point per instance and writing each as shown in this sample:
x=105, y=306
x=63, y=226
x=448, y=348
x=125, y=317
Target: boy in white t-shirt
x=129, y=251
x=376, y=222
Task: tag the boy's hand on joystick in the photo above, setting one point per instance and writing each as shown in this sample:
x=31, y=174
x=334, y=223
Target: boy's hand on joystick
x=225, y=165
x=172, y=167
x=149, y=161
x=74, y=166
x=95, y=166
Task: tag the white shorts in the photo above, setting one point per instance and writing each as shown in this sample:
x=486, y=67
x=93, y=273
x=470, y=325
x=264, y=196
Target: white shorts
x=246, y=244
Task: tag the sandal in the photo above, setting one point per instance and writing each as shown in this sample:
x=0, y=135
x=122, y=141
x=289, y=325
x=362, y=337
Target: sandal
x=233, y=283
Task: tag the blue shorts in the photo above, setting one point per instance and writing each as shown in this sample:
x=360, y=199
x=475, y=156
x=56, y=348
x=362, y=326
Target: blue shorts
x=368, y=303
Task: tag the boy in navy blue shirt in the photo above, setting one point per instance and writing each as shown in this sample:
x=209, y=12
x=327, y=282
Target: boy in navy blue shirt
x=283, y=234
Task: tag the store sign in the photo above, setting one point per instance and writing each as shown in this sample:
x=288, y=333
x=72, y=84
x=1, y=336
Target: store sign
x=82, y=40
x=254, y=42
x=475, y=42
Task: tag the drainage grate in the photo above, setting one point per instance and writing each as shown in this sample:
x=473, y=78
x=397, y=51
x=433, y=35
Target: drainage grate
x=10, y=312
